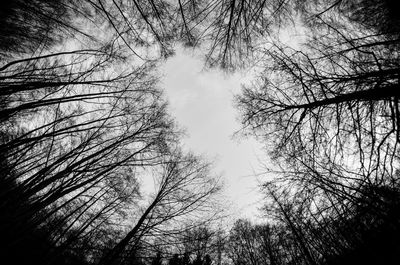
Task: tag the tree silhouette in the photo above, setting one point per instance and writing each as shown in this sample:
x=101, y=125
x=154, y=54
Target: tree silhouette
x=175, y=260
x=183, y=187
x=157, y=260
x=83, y=121
x=327, y=110
x=38, y=24
x=80, y=125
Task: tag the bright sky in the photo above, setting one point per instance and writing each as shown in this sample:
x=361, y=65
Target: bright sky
x=202, y=103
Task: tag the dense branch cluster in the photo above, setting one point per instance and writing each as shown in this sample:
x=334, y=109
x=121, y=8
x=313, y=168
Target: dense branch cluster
x=83, y=124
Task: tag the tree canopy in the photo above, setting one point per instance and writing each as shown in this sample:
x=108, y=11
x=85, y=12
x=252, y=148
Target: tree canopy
x=83, y=120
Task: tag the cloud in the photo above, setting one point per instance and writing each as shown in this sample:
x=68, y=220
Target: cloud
x=202, y=103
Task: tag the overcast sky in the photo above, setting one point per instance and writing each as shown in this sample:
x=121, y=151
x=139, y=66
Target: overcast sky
x=202, y=103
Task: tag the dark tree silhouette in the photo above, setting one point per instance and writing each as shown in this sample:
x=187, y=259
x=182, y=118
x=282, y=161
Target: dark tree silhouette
x=75, y=142
x=82, y=120
x=31, y=25
x=157, y=260
x=175, y=260
x=327, y=111
x=184, y=187
x=80, y=124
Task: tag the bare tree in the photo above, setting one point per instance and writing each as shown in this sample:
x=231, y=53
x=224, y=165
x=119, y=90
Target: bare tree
x=75, y=141
x=183, y=189
x=328, y=111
